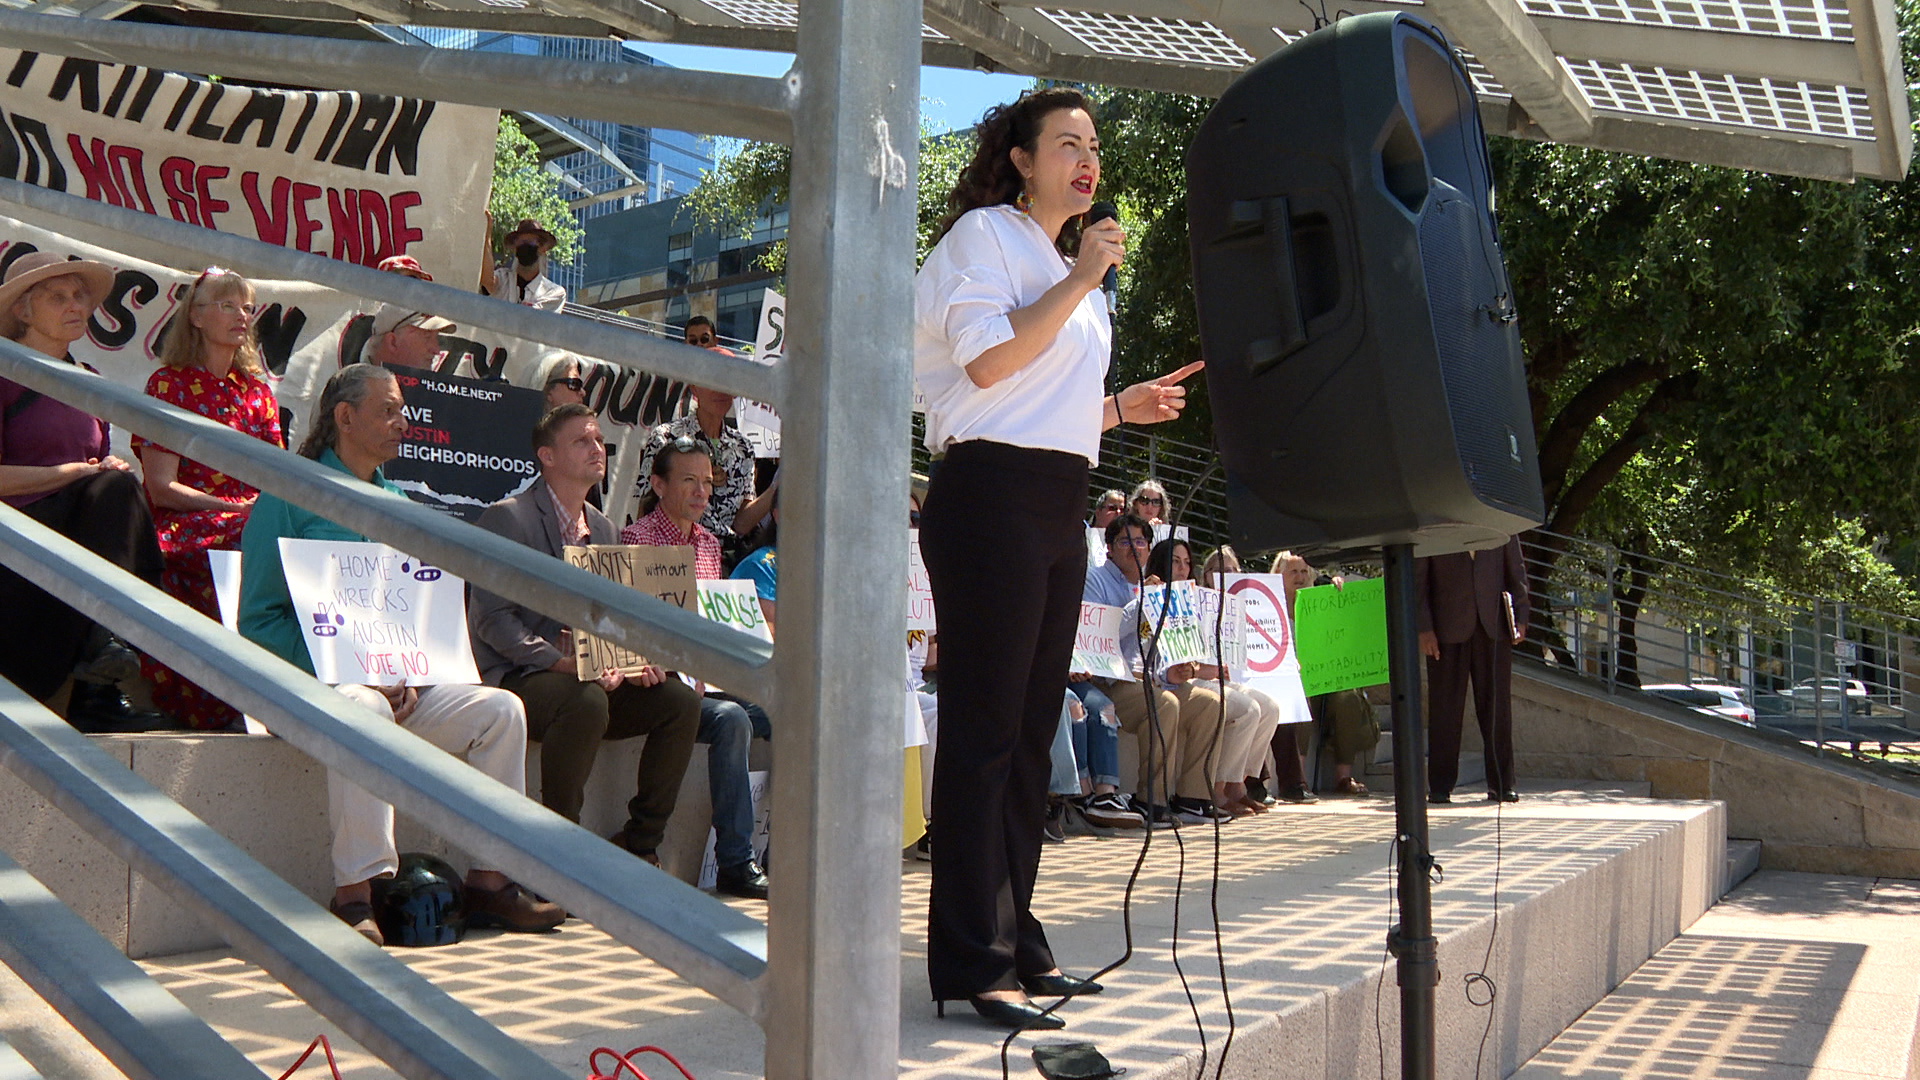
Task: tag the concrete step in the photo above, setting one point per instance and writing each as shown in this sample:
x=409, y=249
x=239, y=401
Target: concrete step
x=1792, y=977
x=1743, y=860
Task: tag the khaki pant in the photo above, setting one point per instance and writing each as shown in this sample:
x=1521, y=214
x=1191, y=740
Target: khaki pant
x=483, y=724
x=1252, y=716
x=1188, y=715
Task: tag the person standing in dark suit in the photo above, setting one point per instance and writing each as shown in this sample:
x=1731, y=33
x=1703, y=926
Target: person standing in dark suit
x=1473, y=611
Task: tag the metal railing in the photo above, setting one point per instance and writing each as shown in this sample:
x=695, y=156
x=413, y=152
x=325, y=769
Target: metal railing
x=1826, y=672
x=822, y=976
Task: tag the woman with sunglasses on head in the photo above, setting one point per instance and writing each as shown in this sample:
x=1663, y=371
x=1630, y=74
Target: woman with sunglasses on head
x=1012, y=340
x=561, y=378
x=209, y=364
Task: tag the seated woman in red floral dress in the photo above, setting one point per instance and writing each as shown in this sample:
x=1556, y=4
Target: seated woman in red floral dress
x=210, y=364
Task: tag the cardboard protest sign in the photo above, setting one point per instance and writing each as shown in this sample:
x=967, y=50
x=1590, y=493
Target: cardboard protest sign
x=665, y=572
x=1173, y=612
x=1225, y=631
x=352, y=176
x=919, y=588
x=1342, y=635
x=758, y=422
x=465, y=447
x=374, y=616
x=1096, y=643
x=306, y=333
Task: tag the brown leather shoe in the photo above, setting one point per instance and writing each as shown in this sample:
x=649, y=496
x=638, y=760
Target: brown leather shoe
x=647, y=855
x=511, y=908
x=1350, y=786
x=359, y=915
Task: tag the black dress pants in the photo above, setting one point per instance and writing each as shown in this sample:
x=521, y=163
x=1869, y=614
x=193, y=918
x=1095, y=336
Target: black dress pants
x=1488, y=664
x=40, y=637
x=1006, y=555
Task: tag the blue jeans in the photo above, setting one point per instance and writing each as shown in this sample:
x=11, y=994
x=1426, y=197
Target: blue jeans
x=727, y=724
x=1096, y=740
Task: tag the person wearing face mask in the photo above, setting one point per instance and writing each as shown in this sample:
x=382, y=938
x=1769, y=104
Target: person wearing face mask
x=210, y=364
x=523, y=278
x=56, y=469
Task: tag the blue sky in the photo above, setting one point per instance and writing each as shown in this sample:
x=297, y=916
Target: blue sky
x=950, y=98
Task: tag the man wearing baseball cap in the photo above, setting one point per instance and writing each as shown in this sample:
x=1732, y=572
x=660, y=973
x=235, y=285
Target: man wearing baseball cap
x=405, y=337
x=523, y=279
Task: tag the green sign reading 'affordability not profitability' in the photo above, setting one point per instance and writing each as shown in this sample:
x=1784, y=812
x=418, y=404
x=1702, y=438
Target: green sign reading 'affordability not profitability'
x=1341, y=635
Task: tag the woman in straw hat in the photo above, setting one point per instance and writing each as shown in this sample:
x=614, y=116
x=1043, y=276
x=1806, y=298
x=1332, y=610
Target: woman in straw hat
x=209, y=364
x=55, y=467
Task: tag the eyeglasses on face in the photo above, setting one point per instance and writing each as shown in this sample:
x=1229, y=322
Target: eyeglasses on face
x=1135, y=541
x=700, y=339
x=571, y=382
x=1150, y=501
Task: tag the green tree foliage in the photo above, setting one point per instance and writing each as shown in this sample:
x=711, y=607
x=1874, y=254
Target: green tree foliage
x=522, y=189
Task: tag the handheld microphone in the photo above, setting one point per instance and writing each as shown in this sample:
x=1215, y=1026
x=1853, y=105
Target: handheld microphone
x=1106, y=211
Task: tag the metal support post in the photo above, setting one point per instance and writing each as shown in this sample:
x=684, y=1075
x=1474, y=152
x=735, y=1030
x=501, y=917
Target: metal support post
x=1841, y=667
x=1411, y=940
x=1819, y=707
x=1611, y=652
x=833, y=981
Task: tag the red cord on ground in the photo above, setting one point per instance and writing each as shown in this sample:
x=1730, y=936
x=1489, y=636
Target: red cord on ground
x=625, y=1061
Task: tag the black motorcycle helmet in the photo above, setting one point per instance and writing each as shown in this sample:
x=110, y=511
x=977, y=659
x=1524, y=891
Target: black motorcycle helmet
x=421, y=904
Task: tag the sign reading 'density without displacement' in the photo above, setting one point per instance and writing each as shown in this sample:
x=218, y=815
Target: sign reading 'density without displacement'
x=665, y=572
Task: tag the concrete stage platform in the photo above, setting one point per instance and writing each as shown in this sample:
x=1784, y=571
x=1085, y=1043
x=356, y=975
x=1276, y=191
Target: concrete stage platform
x=1592, y=882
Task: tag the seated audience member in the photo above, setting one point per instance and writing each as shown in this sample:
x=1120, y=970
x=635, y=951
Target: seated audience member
x=1251, y=714
x=523, y=278
x=734, y=511
x=562, y=379
x=1112, y=505
x=405, y=337
x=55, y=468
x=1177, y=785
x=1346, y=721
x=526, y=652
x=1149, y=502
x=356, y=428
x=1290, y=740
x=681, y=482
x=210, y=364
x=404, y=265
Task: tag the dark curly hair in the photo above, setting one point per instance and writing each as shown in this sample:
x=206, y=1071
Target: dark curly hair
x=990, y=178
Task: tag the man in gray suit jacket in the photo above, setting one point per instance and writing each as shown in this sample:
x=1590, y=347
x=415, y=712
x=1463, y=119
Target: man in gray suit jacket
x=1473, y=611
x=526, y=652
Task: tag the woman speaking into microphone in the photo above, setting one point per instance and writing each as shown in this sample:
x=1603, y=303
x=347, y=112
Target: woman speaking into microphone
x=1011, y=345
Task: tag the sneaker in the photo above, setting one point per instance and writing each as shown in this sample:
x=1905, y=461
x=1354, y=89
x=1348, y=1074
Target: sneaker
x=1153, y=816
x=1111, y=811
x=359, y=915
x=746, y=881
x=511, y=907
x=1198, y=811
x=1054, y=829
x=1298, y=793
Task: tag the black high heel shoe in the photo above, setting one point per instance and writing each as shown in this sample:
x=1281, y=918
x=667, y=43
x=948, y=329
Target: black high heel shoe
x=1058, y=985
x=1022, y=1015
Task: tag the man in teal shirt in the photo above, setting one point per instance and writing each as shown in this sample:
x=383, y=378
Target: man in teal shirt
x=357, y=428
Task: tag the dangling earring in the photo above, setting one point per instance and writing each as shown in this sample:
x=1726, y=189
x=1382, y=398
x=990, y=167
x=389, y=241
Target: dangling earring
x=1023, y=202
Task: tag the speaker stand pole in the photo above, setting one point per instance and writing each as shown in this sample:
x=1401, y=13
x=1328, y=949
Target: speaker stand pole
x=1411, y=939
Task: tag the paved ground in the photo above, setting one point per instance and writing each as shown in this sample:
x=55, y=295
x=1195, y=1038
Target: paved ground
x=1791, y=977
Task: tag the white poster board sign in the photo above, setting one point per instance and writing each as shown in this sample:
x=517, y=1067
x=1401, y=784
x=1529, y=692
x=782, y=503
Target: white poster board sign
x=758, y=422
x=1173, y=612
x=1178, y=532
x=373, y=616
x=1096, y=548
x=1225, y=632
x=1272, y=664
x=226, y=596
x=919, y=588
x=1096, y=643
x=737, y=604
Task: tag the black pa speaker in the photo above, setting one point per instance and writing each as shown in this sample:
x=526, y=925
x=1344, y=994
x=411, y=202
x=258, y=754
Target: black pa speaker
x=1362, y=356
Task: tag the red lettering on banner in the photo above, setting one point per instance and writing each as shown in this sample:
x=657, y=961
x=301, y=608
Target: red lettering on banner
x=343, y=211
x=209, y=206
x=304, y=226
x=269, y=223
x=176, y=179
x=95, y=170
x=130, y=172
x=403, y=234
x=373, y=226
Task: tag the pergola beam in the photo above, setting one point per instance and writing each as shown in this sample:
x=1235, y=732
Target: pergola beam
x=1512, y=49
x=981, y=27
x=1839, y=160
x=630, y=17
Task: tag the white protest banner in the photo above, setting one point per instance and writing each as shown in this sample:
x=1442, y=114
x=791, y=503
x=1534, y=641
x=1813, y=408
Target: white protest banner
x=1173, y=612
x=306, y=333
x=373, y=616
x=1225, y=632
x=1096, y=643
x=352, y=176
x=919, y=588
x=1272, y=663
x=1163, y=530
x=663, y=572
x=1096, y=548
x=758, y=422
